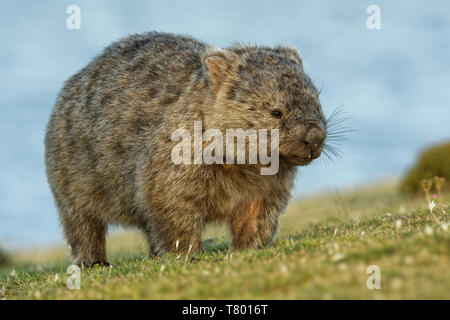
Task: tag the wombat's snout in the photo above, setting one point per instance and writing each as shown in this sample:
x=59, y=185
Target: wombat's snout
x=307, y=147
x=314, y=140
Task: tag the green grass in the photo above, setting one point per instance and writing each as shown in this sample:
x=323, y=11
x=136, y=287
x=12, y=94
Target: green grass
x=323, y=250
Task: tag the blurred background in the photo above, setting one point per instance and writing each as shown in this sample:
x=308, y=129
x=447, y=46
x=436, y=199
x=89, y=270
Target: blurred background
x=393, y=82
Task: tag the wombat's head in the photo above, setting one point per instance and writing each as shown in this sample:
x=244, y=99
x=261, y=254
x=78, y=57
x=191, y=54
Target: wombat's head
x=266, y=88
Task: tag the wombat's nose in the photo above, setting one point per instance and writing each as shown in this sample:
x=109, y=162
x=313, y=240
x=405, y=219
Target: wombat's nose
x=314, y=140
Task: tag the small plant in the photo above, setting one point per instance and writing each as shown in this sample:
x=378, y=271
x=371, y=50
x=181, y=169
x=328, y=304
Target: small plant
x=426, y=185
x=439, y=183
x=429, y=173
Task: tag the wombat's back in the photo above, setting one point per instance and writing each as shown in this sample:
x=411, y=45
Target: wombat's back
x=104, y=115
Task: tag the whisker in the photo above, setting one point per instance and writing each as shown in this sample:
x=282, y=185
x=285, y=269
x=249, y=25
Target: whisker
x=336, y=131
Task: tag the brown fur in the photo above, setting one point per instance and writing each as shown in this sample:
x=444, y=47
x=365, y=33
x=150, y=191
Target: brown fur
x=108, y=142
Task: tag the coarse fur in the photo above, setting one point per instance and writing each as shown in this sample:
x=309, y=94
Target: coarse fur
x=108, y=142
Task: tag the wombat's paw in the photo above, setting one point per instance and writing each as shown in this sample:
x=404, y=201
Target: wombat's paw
x=194, y=260
x=96, y=263
x=153, y=255
x=243, y=243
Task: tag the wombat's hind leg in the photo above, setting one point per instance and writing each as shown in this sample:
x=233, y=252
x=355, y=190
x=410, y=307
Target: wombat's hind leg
x=152, y=245
x=183, y=237
x=86, y=236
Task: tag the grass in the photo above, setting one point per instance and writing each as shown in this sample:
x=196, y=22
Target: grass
x=325, y=245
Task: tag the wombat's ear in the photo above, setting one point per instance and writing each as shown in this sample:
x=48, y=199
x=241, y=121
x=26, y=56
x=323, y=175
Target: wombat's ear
x=216, y=63
x=290, y=53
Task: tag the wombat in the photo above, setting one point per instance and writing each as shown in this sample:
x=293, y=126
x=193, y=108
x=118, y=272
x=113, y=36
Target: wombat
x=108, y=142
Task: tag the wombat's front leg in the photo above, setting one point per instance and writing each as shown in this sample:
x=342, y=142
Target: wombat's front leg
x=254, y=226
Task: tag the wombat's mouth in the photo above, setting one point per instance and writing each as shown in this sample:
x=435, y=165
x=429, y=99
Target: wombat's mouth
x=297, y=161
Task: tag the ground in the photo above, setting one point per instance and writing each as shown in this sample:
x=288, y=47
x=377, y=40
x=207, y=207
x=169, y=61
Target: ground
x=325, y=247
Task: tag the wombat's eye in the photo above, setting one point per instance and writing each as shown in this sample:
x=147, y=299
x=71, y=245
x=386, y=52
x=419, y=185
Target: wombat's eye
x=276, y=113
